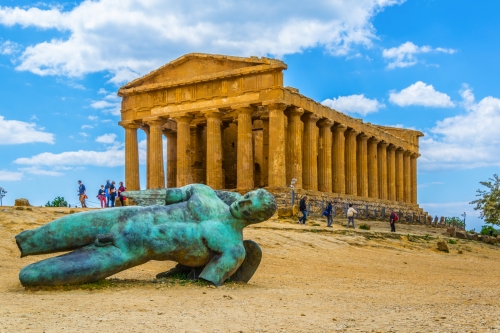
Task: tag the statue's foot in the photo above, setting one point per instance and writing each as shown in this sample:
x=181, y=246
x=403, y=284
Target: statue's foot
x=253, y=256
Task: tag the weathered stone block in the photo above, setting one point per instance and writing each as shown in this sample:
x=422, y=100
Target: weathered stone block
x=22, y=202
x=442, y=246
x=461, y=234
x=472, y=236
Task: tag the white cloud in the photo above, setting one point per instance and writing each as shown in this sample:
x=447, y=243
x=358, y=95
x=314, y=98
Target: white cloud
x=87, y=126
x=9, y=48
x=160, y=30
x=421, y=94
x=113, y=107
x=14, y=132
x=466, y=141
x=112, y=157
x=83, y=134
x=106, y=138
x=10, y=176
x=93, y=117
x=40, y=172
x=354, y=104
x=405, y=54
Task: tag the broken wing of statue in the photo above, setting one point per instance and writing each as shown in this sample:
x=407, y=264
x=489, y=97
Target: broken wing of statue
x=196, y=227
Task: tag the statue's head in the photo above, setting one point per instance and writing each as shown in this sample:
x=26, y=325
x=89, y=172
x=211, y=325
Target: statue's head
x=254, y=207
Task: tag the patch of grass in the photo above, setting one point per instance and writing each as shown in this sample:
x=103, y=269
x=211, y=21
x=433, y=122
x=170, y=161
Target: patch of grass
x=316, y=225
x=452, y=241
x=365, y=226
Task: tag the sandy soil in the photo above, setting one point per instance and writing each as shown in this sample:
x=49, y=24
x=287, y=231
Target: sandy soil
x=311, y=279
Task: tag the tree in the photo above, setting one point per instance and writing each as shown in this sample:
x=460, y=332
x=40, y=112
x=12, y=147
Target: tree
x=489, y=201
x=57, y=202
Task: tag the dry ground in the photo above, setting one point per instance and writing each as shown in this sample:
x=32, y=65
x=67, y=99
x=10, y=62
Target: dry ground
x=311, y=279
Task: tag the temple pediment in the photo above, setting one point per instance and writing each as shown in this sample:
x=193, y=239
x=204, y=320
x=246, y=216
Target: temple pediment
x=195, y=67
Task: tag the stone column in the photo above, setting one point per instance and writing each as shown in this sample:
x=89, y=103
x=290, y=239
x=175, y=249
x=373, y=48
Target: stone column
x=277, y=172
x=131, y=156
x=264, y=170
x=382, y=171
x=391, y=172
x=171, y=158
x=373, y=185
x=325, y=156
x=155, y=162
x=310, y=152
x=145, y=128
x=407, y=176
x=399, y=176
x=214, y=149
x=339, y=158
x=351, y=184
x=295, y=144
x=183, y=155
x=244, y=155
x=413, y=167
x=362, y=164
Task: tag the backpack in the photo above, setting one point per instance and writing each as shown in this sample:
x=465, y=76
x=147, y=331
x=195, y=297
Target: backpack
x=396, y=217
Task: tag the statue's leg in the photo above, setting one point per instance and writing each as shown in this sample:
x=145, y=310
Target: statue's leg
x=253, y=256
x=88, y=264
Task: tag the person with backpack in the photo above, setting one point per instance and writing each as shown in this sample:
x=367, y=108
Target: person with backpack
x=101, y=195
x=120, y=196
x=303, y=209
x=350, y=216
x=392, y=220
x=328, y=213
x=112, y=194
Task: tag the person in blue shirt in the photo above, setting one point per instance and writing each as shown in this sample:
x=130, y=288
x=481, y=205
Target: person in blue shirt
x=82, y=193
x=328, y=213
x=106, y=190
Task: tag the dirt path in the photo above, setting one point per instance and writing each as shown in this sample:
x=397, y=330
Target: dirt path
x=312, y=279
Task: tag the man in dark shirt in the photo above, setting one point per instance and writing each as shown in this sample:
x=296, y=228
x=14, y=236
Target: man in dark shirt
x=393, y=221
x=303, y=209
x=82, y=193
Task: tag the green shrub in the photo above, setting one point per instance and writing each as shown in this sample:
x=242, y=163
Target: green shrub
x=57, y=202
x=485, y=230
x=365, y=226
x=452, y=241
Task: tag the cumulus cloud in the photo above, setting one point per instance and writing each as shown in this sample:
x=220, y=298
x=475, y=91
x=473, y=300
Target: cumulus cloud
x=421, y=94
x=87, y=126
x=159, y=30
x=469, y=140
x=106, y=138
x=110, y=104
x=354, y=104
x=9, y=48
x=10, y=176
x=93, y=118
x=14, y=132
x=405, y=54
x=40, y=172
x=111, y=157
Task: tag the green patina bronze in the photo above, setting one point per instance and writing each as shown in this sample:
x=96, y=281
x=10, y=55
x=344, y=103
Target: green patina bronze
x=194, y=226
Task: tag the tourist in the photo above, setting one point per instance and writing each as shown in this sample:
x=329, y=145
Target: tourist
x=392, y=220
x=106, y=189
x=303, y=209
x=101, y=195
x=350, y=216
x=82, y=194
x=112, y=194
x=328, y=213
x=121, y=189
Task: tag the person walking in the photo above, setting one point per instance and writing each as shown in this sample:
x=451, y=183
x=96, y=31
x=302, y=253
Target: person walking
x=106, y=189
x=121, y=189
x=329, y=214
x=392, y=220
x=101, y=195
x=350, y=216
x=82, y=193
x=303, y=209
x=112, y=194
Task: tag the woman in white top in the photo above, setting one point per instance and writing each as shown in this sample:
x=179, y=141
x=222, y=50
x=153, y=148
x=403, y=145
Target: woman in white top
x=350, y=216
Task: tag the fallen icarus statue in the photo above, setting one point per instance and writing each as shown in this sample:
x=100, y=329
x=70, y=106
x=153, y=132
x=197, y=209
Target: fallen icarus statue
x=196, y=227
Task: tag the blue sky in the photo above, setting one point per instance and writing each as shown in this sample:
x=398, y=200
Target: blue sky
x=428, y=65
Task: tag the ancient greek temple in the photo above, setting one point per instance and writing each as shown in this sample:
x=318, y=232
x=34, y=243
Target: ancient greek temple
x=231, y=124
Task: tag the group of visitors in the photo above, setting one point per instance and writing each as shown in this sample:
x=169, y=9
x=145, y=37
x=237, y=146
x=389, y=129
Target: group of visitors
x=328, y=213
x=107, y=194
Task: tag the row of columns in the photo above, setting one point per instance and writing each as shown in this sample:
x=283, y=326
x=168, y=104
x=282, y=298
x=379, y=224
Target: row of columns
x=339, y=160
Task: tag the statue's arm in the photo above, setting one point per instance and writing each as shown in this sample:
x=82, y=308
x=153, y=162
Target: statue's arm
x=223, y=265
x=181, y=194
